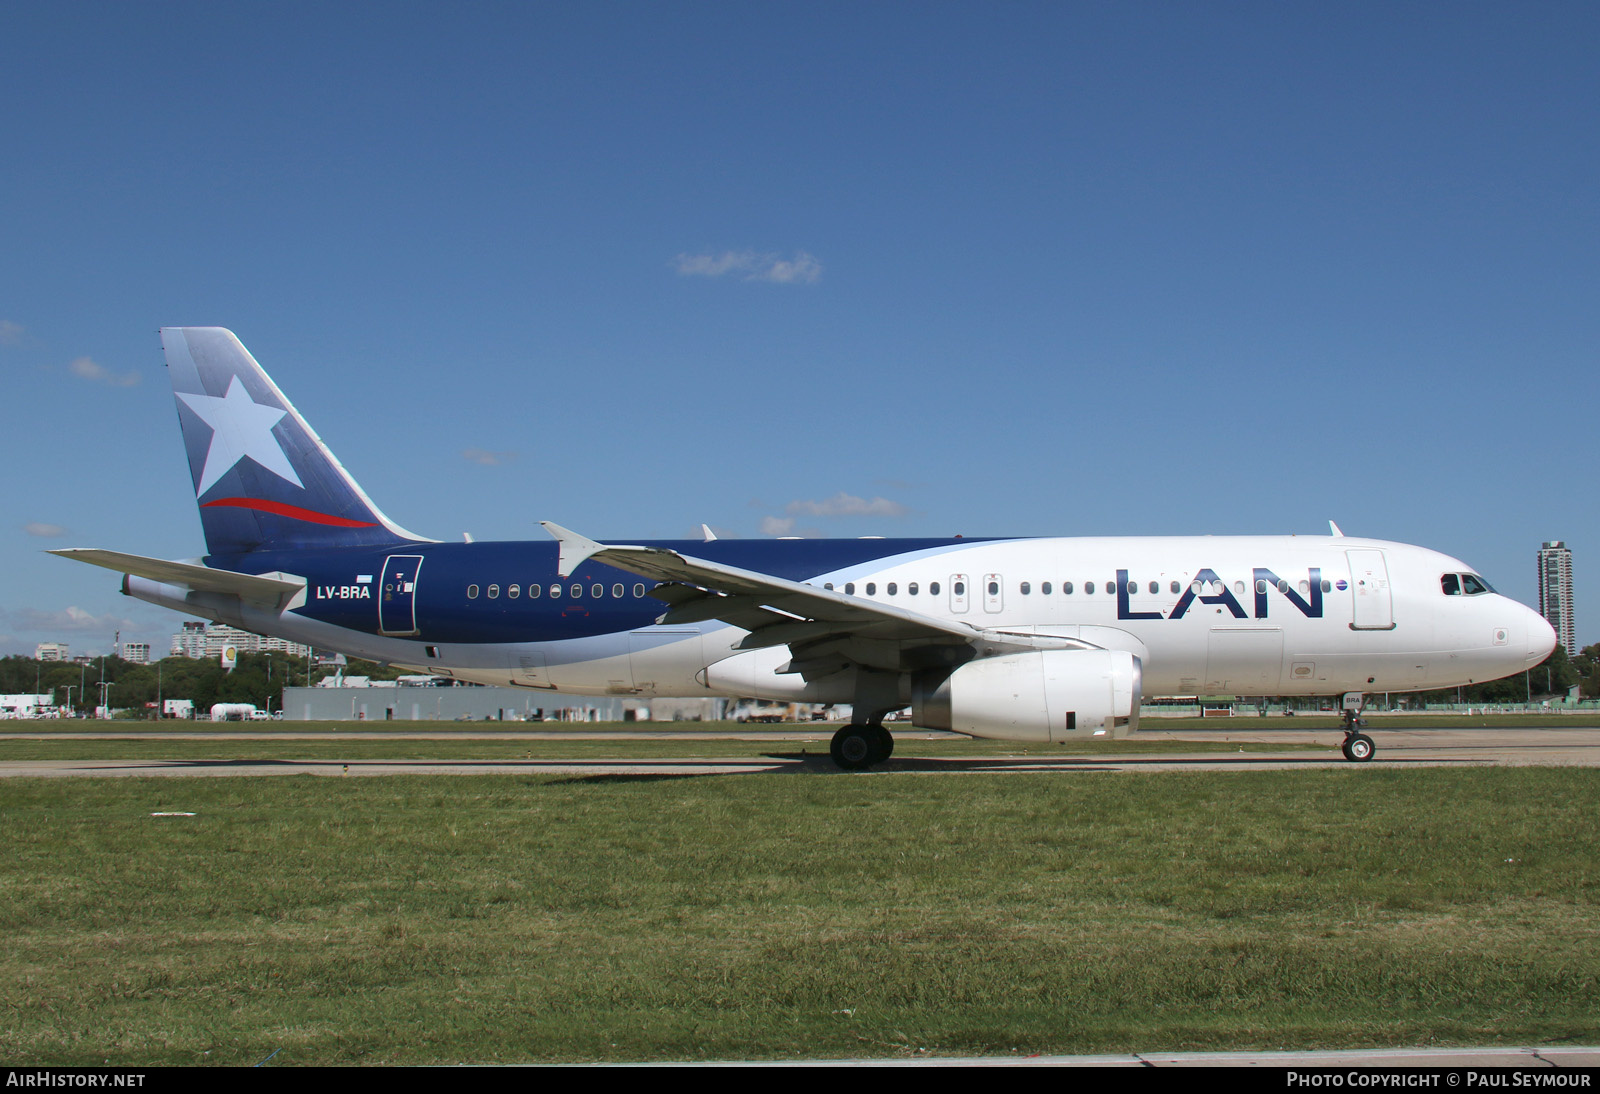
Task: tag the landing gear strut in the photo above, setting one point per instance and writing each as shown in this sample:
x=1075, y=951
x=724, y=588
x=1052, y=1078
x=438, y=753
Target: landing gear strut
x=858, y=746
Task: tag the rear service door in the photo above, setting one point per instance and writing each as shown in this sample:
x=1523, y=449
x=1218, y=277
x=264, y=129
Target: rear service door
x=397, y=595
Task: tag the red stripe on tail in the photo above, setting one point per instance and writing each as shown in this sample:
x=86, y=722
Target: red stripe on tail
x=277, y=508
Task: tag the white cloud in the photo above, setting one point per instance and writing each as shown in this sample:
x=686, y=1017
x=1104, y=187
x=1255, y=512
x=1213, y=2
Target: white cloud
x=87, y=369
x=74, y=619
x=43, y=530
x=752, y=266
x=847, y=505
x=10, y=333
x=777, y=526
x=486, y=458
x=803, y=269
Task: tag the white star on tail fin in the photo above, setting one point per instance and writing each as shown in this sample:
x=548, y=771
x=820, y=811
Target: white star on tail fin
x=240, y=427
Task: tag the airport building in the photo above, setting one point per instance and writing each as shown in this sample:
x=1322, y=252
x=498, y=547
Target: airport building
x=27, y=706
x=423, y=699
x=1555, y=592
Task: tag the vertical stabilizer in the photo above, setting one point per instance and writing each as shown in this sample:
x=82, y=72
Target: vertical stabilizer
x=262, y=477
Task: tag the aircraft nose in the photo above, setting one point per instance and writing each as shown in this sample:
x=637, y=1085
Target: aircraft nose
x=1541, y=637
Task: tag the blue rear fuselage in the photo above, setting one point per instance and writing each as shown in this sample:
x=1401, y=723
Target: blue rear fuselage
x=510, y=591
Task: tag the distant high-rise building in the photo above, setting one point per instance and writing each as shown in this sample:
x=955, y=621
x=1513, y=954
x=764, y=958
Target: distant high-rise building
x=136, y=653
x=50, y=651
x=1555, y=592
x=204, y=641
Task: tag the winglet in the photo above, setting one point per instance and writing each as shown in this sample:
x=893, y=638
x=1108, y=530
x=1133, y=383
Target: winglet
x=705, y=530
x=575, y=549
x=1334, y=528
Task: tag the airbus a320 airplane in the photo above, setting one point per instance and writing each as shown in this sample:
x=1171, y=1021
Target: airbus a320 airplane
x=1017, y=639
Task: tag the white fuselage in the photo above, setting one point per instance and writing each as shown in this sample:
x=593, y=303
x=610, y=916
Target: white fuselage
x=1249, y=616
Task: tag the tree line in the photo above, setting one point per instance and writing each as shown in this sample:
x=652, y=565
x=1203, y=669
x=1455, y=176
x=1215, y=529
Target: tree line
x=138, y=689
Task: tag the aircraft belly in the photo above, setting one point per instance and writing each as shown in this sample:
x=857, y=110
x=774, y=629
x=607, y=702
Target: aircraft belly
x=665, y=661
x=1243, y=661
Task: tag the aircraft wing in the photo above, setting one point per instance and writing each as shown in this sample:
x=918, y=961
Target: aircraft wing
x=825, y=630
x=274, y=591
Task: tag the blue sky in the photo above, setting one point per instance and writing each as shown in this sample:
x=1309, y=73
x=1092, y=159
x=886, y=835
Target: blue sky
x=839, y=269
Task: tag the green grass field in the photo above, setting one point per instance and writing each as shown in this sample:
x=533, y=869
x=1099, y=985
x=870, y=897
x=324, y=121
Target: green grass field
x=507, y=918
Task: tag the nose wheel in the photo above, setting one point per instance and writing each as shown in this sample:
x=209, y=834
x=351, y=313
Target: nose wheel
x=1358, y=748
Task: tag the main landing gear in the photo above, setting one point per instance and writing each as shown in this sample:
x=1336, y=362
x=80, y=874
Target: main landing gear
x=859, y=746
x=1357, y=747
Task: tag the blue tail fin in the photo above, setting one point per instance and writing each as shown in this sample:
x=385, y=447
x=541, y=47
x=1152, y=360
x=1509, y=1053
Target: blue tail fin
x=262, y=477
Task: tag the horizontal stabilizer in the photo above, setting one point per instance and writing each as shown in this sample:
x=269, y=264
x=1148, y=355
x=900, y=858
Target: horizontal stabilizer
x=271, y=591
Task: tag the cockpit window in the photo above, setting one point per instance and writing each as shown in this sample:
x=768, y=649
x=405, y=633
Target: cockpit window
x=1463, y=585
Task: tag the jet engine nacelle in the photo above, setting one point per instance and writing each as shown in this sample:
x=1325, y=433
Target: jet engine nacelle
x=1043, y=695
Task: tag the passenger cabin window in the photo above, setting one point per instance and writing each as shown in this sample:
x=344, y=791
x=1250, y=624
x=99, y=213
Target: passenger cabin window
x=959, y=588
x=513, y=591
x=933, y=588
x=912, y=588
x=1066, y=588
x=638, y=590
x=850, y=588
x=494, y=591
x=1027, y=588
x=1088, y=586
x=555, y=590
x=1044, y=588
x=893, y=588
x=472, y=592
x=1173, y=588
x=872, y=588
x=617, y=590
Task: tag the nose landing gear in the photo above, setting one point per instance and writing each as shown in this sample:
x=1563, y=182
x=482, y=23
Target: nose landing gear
x=1357, y=746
